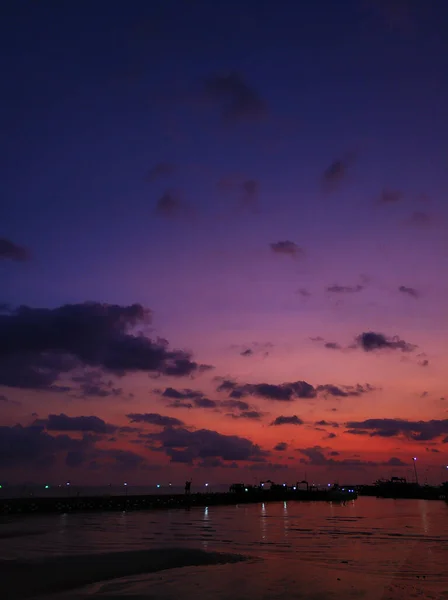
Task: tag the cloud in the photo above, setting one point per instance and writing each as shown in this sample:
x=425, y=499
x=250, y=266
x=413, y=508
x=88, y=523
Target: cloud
x=250, y=193
x=346, y=390
x=316, y=456
x=389, y=196
x=420, y=219
x=11, y=251
x=197, y=398
x=63, y=422
x=182, y=445
x=333, y=346
x=293, y=420
x=184, y=394
x=162, y=169
x=38, y=345
x=7, y=400
x=423, y=363
x=324, y=423
x=205, y=403
x=235, y=404
x=344, y=289
x=281, y=447
x=287, y=247
x=415, y=430
x=236, y=99
x=247, y=414
x=154, y=419
x=170, y=205
x=336, y=173
x=248, y=352
x=304, y=293
x=284, y=392
x=409, y=291
x=93, y=385
x=370, y=341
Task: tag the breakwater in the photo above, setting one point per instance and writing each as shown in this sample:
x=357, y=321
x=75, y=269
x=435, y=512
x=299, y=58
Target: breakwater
x=36, y=505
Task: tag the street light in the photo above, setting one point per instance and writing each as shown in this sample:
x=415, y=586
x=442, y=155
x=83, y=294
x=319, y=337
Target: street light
x=415, y=469
x=125, y=488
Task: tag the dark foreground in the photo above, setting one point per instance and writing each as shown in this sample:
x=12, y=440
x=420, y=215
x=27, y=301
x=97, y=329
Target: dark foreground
x=72, y=504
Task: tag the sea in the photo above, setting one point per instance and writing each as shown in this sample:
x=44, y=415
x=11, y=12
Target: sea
x=368, y=549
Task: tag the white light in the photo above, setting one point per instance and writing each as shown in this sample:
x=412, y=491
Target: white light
x=68, y=483
x=206, y=485
x=246, y=490
x=262, y=485
x=158, y=485
x=294, y=488
x=329, y=485
x=125, y=483
x=415, y=458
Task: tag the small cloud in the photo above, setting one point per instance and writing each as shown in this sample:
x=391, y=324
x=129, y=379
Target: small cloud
x=423, y=363
x=248, y=352
x=162, y=169
x=345, y=289
x=281, y=447
x=419, y=219
x=254, y=415
x=317, y=338
x=287, y=247
x=154, y=419
x=170, y=205
x=333, y=346
x=336, y=173
x=303, y=292
x=370, y=341
x=7, y=400
x=236, y=99
x=11, y=251
x=293, y=420
x=409, y=291
x=389, y=196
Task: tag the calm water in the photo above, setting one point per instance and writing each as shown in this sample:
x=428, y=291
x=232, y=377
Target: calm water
x=366, y=549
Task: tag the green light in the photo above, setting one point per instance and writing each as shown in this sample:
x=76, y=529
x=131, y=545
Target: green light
x=47, y=487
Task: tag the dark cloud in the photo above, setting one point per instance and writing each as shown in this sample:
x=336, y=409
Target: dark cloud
x=237, y=101
x=293, y=420
x=370, y=341
x=415, y=430
x=7, y=400
x=423, y=363
x=162, y=169
x=409, y=291
x=345, y=390
x=336, y=173
x=205, y=403
x=247, y=414
x=235, y=404
x=182, y=445
x=317, y=457
x=248, y=352
x=420, y=219
x=330, y=436
x=317, y=338
x=122, y=459
x=324, y=423
x=304, y=293
x=197, y=398
x=185, y=394
x=389, y=196
x=38, y=345
x=344, y=289
x=92, y=384
x=63, y=422
x=171, y=205
x=281, y=447
x=11, y=251
x=333, y=346
x=284, y=392
x=287, y=247
x=154, y=419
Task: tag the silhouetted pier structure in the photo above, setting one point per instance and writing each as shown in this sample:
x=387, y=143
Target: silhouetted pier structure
x=239, y=494
x=399, y=487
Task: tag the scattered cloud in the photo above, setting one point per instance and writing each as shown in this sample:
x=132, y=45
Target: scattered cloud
x=236, y=404
x=248, y=352
x=336, y=173
x=420, y=219
x=293, y=420
x=10, y=401
x=63, y=422
x=316, y=456
x=344, y=289
x=39, y=345
x=160, y=170
x=287, y=247
x=409, y=291
x=236, y=99
x=170, y=205
x=155, y=419
x=11, y=251
x=324, y=423
x=182, y=445
x=333, y=346
x=281, y=447
x=344, y=391
x=253, y=415
x=415, y=430
x=303, y=292
x=284, y=392
x=370, y=341
x=389, y=196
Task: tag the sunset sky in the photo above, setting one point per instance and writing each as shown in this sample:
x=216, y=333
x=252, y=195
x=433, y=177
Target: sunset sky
x=223, y=240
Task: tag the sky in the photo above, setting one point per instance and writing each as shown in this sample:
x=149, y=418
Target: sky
x=223, y=241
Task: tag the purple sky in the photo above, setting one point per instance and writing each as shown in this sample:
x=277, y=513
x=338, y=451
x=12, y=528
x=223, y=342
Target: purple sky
x=257, y=187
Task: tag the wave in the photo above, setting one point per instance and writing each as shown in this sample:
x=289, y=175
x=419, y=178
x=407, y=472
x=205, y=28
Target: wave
x=25, y=579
